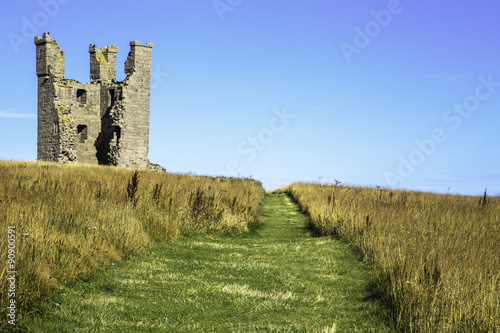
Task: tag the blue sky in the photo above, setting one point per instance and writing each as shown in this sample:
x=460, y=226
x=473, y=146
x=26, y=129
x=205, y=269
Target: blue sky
x=401, y=94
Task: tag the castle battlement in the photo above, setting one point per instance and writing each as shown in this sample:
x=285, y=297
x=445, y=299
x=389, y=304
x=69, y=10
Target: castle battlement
x=138, y=43
x=110, y=49
x=101, y=122
x=44, y=39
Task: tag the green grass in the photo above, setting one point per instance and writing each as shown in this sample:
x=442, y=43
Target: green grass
x=277, y=278
x=434, y=257
x=73, y=219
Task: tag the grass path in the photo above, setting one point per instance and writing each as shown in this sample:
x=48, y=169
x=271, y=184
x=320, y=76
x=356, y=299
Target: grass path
x=278, y=278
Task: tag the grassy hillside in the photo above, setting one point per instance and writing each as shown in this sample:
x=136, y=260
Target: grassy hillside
x=436, y=258
x=70, y=220
x=278, y=278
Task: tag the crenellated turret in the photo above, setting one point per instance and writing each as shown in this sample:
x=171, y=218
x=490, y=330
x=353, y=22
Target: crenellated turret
x=101, y=122
x=49, y=57
x=103, y=63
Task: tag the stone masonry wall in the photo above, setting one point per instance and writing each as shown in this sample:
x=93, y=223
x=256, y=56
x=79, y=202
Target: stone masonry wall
x=136, y=89
x=101, y=122
x=49, y=67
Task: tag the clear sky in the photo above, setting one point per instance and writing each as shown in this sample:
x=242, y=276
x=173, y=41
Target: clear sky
x=400, y=94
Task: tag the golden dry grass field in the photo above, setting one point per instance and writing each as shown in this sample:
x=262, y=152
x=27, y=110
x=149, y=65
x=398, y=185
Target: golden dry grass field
x=70, y=220
x=435, y=257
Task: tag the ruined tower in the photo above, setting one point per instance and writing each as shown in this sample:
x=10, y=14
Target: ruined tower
x=101, y=122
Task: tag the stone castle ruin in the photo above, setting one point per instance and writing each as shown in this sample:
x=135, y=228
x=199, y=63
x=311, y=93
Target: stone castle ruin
x=101, y=122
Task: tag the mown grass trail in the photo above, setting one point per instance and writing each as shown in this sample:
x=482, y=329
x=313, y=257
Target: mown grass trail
x=278, y=278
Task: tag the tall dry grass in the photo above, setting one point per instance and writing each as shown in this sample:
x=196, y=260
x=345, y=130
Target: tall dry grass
x=73, y=219
x=436, y=258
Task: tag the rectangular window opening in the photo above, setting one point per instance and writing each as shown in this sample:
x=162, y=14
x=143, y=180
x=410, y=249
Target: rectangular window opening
x=82, y=133
x=81, y=97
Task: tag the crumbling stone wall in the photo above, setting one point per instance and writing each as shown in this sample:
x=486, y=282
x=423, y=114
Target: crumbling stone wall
x=101, y=122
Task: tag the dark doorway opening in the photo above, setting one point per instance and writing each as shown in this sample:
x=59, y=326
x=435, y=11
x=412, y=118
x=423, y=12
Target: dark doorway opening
x=109, y=135
x=111, y=97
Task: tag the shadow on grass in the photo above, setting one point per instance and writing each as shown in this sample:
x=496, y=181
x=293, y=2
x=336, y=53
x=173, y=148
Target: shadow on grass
x=309, y=227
